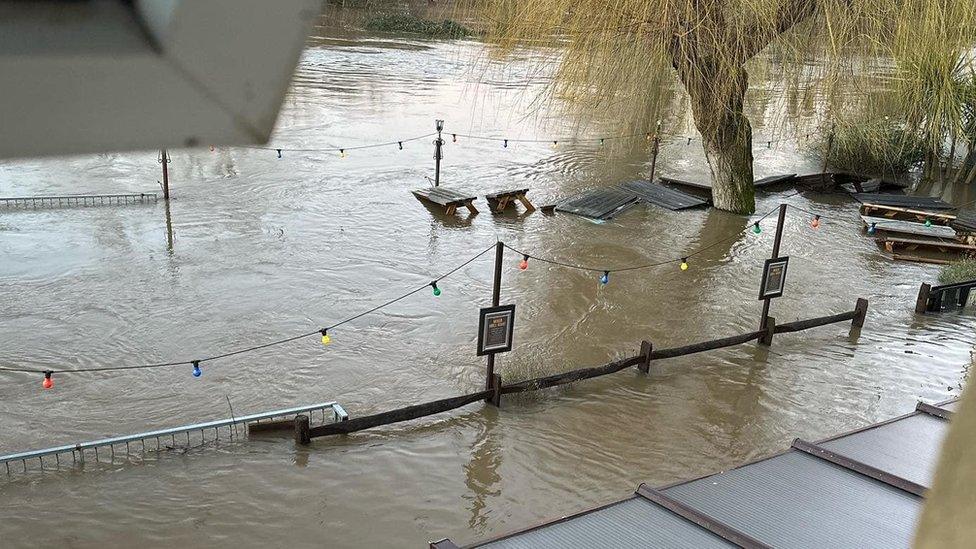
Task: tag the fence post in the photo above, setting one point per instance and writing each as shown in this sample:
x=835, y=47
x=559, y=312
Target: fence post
x=645, y=352
x=302, y=430
x=921, y=303
x=438, y=143
x=860, y=311
x=769, y=328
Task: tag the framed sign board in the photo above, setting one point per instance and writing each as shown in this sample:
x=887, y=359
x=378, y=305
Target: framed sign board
x=495, y=328
x=773, y=278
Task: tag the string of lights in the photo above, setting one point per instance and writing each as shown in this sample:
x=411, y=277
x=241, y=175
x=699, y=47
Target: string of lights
x=505, y=141
x=195, y=363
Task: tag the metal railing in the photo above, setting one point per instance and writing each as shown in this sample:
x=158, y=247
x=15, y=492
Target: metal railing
x=77, y=200
x=78, y=450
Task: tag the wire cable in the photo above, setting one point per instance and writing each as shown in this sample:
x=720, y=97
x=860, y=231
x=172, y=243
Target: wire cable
x=255, y=347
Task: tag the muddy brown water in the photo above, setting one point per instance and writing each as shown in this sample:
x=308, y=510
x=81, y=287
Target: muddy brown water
x=265, y=247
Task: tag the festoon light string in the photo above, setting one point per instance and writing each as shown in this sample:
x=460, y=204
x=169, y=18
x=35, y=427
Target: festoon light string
x=647, y=135
x=197, y=370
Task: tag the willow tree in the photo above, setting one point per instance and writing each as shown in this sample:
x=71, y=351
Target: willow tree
x=612, y=52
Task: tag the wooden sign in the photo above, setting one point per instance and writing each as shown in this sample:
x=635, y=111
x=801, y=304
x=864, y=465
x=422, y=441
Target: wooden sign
x=495, y=329
x=774, y=278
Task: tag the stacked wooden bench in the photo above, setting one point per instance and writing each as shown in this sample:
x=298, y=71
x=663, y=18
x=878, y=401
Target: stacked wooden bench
x=502, y=199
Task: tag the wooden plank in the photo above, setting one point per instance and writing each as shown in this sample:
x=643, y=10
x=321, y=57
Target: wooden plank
x=965, y=221
x=906, y=214
x=443, y=197
x=918, y=242
x=398, y=415
x=919, y=259
x=682, y=183
x=908, y=227
x=598, y=203
x=903, y=201
x=660, y=195
x=511, y=194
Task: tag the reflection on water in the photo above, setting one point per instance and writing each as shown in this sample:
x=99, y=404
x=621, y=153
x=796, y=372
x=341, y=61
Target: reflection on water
x=254, y=247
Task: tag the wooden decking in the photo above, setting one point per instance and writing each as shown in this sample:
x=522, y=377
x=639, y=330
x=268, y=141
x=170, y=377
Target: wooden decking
x=903, y=201
x=660, y=195
x=906, y=214
x=893, y=244
x=883, y=224
x=498, y=201
x=599, y=203
x=450, y=200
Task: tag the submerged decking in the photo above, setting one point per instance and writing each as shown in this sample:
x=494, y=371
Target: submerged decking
x=860, y=489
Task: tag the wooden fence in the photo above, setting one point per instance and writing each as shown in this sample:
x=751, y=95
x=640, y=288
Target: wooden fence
x=935, y=298
x=304, y=433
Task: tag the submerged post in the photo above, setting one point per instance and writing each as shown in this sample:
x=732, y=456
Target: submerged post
x=496, y=289
x=438, y=143
x=645, y=353
x=860, y=311
x=302, y=430
x=654, y=151
x=781, y=220
x=922, y=302
x=164, y=160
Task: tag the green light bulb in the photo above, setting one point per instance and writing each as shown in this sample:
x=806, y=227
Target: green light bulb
x=437, y=291
x=756, y=228
x=928, y=222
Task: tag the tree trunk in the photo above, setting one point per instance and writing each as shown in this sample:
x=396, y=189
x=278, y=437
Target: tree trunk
x=726, y=133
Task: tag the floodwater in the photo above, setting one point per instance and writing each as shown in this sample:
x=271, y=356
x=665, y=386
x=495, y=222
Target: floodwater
x=264, y=248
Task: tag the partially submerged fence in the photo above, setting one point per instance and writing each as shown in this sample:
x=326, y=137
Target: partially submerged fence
x=77, y=200
x=78, y=451
x=948, y=296
x=304, y=433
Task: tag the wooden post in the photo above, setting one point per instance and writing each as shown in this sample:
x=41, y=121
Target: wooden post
x=164, y=162
x=496, y=387
x=830, y=146
x=781, y=220
x=654, y=151
x=438, y=143
x=922, y=302
x=302, y=430
x=496, y=290
x=770, y=329
x=860, y=311
x=645, y=352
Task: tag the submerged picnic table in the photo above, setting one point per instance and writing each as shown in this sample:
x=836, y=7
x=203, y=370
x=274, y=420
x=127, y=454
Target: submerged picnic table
x=447, y=198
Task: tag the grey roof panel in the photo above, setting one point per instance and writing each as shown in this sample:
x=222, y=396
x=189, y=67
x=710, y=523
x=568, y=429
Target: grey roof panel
x=631, y=523
x=797, y=500
x=908, y=447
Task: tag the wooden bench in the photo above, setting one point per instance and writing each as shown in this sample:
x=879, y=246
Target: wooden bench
x=906, y=214
x=500, y=200
x=447, y=198
x=891, y=244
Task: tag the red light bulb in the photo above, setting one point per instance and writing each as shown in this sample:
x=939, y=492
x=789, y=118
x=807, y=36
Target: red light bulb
x=816, y=222
x=524, y=264
x=48, y=382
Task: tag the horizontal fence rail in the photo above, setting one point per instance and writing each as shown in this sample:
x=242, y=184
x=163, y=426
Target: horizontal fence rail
x=304, y=433
x=77, y=451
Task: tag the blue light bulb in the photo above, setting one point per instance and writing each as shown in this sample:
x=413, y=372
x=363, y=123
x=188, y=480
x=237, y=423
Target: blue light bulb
x=872, y=228
x=605, y=279
x=196, y=369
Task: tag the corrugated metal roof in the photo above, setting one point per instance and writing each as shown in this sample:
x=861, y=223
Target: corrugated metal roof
x=630, y=523
x=797, y=500
x=907, y=448
x=859, y=489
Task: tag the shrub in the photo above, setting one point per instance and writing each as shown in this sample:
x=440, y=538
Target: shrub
x=958, y=271
x=408, y=23
x=874, y=148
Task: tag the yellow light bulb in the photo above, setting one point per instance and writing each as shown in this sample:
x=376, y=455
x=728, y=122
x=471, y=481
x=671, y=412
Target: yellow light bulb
x=684, y=265
x=326, y=339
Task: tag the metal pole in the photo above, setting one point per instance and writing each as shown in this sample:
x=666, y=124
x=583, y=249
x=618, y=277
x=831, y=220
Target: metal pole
x=438, y=143
x=496, y=289
x=657, y=145
x=776, y=242
x=165, y=175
